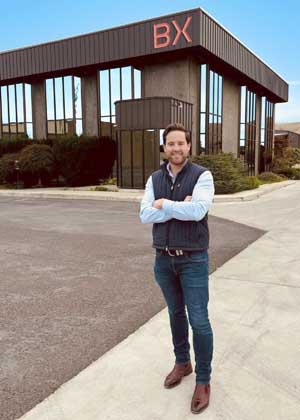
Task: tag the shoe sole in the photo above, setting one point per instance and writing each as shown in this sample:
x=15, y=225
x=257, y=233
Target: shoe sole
x=177, y=383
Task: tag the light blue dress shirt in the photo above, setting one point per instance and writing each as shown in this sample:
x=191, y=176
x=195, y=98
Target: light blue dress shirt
x=202, y=198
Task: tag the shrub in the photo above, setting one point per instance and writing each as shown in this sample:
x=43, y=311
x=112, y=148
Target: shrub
x=284, y=165
x=292, y=154
x=13, y=144
x=7, y=186
x=99, y=188
x=229, y=173
x=8, y=174
x=280, y=144
x=289, y=173
x=250, y=182
x=109, y=181
x=269, y=177
x=292, y=173
x=84, y=160
x=37, y=164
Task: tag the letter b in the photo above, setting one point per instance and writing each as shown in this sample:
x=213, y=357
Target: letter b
x=158, y=36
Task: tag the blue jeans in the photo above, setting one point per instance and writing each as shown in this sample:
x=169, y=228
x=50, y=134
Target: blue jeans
x=184, y=282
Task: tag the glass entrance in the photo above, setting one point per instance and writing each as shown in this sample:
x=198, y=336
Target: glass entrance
x=138, y=156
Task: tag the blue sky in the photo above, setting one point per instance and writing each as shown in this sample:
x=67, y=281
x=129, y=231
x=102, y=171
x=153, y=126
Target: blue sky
x=271, y=29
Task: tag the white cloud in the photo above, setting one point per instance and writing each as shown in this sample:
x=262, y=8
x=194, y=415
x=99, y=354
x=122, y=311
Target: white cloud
x=294, y=83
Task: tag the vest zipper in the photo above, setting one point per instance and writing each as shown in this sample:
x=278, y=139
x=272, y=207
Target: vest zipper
x=168, y=226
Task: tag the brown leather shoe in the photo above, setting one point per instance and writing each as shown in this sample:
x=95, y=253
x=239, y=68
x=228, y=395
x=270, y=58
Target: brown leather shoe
x=179, y=371
x=200, y=398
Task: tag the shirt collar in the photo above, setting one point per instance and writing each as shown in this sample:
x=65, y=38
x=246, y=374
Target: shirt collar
x=169, y=169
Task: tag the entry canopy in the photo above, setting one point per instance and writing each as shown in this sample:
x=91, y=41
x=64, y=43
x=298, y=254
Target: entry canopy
x=189, y=33
x=152, y=113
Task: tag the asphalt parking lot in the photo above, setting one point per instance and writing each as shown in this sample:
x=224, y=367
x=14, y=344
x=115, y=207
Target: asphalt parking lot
x=76, y=279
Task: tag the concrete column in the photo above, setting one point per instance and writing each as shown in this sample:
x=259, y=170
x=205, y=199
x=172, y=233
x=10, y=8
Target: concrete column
x=39, y=110
x=258, y=133
x=231, y=116
x=273, y=137
x=90, y=104
x=179, y=79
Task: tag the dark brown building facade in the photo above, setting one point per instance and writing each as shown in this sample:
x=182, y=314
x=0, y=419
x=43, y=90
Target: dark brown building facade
x=285, y=138
x=129, y=82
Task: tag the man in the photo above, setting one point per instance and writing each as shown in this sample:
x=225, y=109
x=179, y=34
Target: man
x=176, y=200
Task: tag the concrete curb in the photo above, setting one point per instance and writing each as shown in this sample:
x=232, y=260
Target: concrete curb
x=73, y=194
x=252, y=194
x=134, y=195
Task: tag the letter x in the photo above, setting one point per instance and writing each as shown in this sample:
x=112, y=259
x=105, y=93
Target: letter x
x=182, y=31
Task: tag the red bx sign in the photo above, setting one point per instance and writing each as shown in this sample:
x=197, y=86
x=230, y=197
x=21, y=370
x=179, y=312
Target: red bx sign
x=162, y=33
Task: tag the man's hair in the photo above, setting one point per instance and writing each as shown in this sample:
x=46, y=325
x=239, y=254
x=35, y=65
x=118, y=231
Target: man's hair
x=176, y=127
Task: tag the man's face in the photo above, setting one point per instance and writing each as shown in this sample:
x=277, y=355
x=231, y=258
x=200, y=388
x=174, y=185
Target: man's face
x=176, y=148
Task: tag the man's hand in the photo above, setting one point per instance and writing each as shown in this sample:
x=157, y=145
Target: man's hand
x=158, y=203
x=188, y=198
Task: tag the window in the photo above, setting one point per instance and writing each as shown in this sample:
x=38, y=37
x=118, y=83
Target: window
x=248, y=129
x=116, y=84
x=268, y=133
x=211, y=89
x=64, y=112
x=15, y=110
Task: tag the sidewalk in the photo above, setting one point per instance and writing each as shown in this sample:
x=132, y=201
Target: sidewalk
x=132, y=195
x=254, y=310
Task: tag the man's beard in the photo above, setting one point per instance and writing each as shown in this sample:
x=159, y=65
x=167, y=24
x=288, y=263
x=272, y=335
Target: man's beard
x=177, y=159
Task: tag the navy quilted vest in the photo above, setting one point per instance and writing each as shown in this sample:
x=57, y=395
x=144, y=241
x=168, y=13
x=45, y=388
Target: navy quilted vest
x=178, y=234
